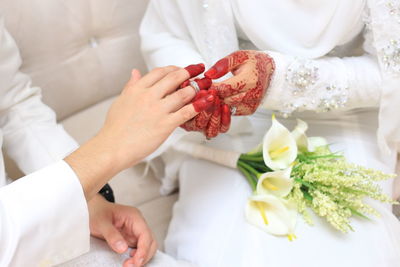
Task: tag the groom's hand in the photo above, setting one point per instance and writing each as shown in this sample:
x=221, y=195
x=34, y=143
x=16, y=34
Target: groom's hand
x=139, y=121
x=122, y=227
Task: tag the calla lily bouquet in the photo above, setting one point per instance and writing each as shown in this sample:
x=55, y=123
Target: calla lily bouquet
x=293, y=174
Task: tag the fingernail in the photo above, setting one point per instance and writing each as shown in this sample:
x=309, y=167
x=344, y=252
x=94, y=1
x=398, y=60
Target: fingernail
x=131, y=265
x=195, y=69
x=204, y=103
x=203, y=83
x=210, y=73
x=120, y=246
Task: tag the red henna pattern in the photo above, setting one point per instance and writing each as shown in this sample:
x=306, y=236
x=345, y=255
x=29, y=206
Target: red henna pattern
x=214, y=123
x=228, y=63
x=225, y=118
x=246, y=94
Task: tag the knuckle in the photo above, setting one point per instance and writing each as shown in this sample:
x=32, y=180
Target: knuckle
x=174, y=75
x=185, y=94
x=158, y=70
x=186, y=114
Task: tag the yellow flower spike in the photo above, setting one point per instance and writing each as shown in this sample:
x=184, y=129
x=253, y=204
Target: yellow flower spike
x=262, y=211
x=291, y=237
x=269, y=185
x=276, y=153
x=277, y=183
x=281, y=214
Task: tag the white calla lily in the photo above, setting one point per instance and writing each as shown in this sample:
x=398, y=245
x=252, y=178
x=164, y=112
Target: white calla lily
x=271, y=214
x=303, y=142
x=279, y=147
x=299, y=134
x=277, y=183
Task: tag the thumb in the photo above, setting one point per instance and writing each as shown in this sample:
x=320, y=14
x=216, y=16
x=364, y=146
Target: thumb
x=114, y=238
x=135, y=76
x=227, y=64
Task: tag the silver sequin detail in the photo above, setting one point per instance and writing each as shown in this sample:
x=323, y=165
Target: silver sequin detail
x=391, y=56
x=335, y=98
x=307, y=92
x=301, y=75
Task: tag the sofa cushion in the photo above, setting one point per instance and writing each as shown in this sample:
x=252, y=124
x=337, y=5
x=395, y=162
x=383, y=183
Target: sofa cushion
x=131, y=187
x=78, y=52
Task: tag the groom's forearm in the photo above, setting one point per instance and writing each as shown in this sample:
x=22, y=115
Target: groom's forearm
x=94, y=164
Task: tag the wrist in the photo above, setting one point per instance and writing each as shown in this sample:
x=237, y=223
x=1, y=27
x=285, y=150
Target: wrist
x=94, y=164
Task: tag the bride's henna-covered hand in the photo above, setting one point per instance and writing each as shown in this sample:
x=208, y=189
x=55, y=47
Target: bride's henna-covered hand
x=252, y=72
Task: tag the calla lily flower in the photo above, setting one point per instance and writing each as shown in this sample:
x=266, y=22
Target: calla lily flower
x=277, y=183
x=304, y=143
x=279, y=147
x=271, y=214
x=299, y=134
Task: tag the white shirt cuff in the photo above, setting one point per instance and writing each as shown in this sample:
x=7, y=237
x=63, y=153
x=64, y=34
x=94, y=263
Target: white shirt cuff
x=44, y=218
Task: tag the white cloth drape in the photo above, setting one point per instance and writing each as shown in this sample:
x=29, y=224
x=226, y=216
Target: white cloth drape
x=43, y=216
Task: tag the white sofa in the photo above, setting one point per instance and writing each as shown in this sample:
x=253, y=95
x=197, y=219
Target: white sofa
x=81, y=52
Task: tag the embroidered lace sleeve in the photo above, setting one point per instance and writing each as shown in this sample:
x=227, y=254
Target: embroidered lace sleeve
x=324, y=84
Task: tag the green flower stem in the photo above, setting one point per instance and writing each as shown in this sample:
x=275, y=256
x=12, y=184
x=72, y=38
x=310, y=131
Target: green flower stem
x=248, y=176
x=260, y=167
x=252, y=158
x=250, y=169
x=256, y=154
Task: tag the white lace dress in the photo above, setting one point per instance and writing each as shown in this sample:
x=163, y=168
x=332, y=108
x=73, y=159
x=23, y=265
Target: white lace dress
x=324, y=76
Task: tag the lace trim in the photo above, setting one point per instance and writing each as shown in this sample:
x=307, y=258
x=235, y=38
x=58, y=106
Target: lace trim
x=308, y=93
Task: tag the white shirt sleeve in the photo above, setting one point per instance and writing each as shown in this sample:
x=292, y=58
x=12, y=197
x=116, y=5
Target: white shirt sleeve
x=43, y=218
x=323, y=84
x=32, y=137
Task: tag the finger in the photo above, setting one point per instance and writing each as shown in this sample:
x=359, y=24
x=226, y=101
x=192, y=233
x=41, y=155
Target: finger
x=114, y=238
x=190, y=126
x=170, y=82
x=227, y=64
x=225, y=118
x=200, y=94
x=231, y=86
x=155, y=75
x=177, y=100
x=191, y=110
x=195, y=69
x=143, y=249
x=135, y=77
x=235, y=100
x=215, y=120
x=203, y=83
x=152, y=251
